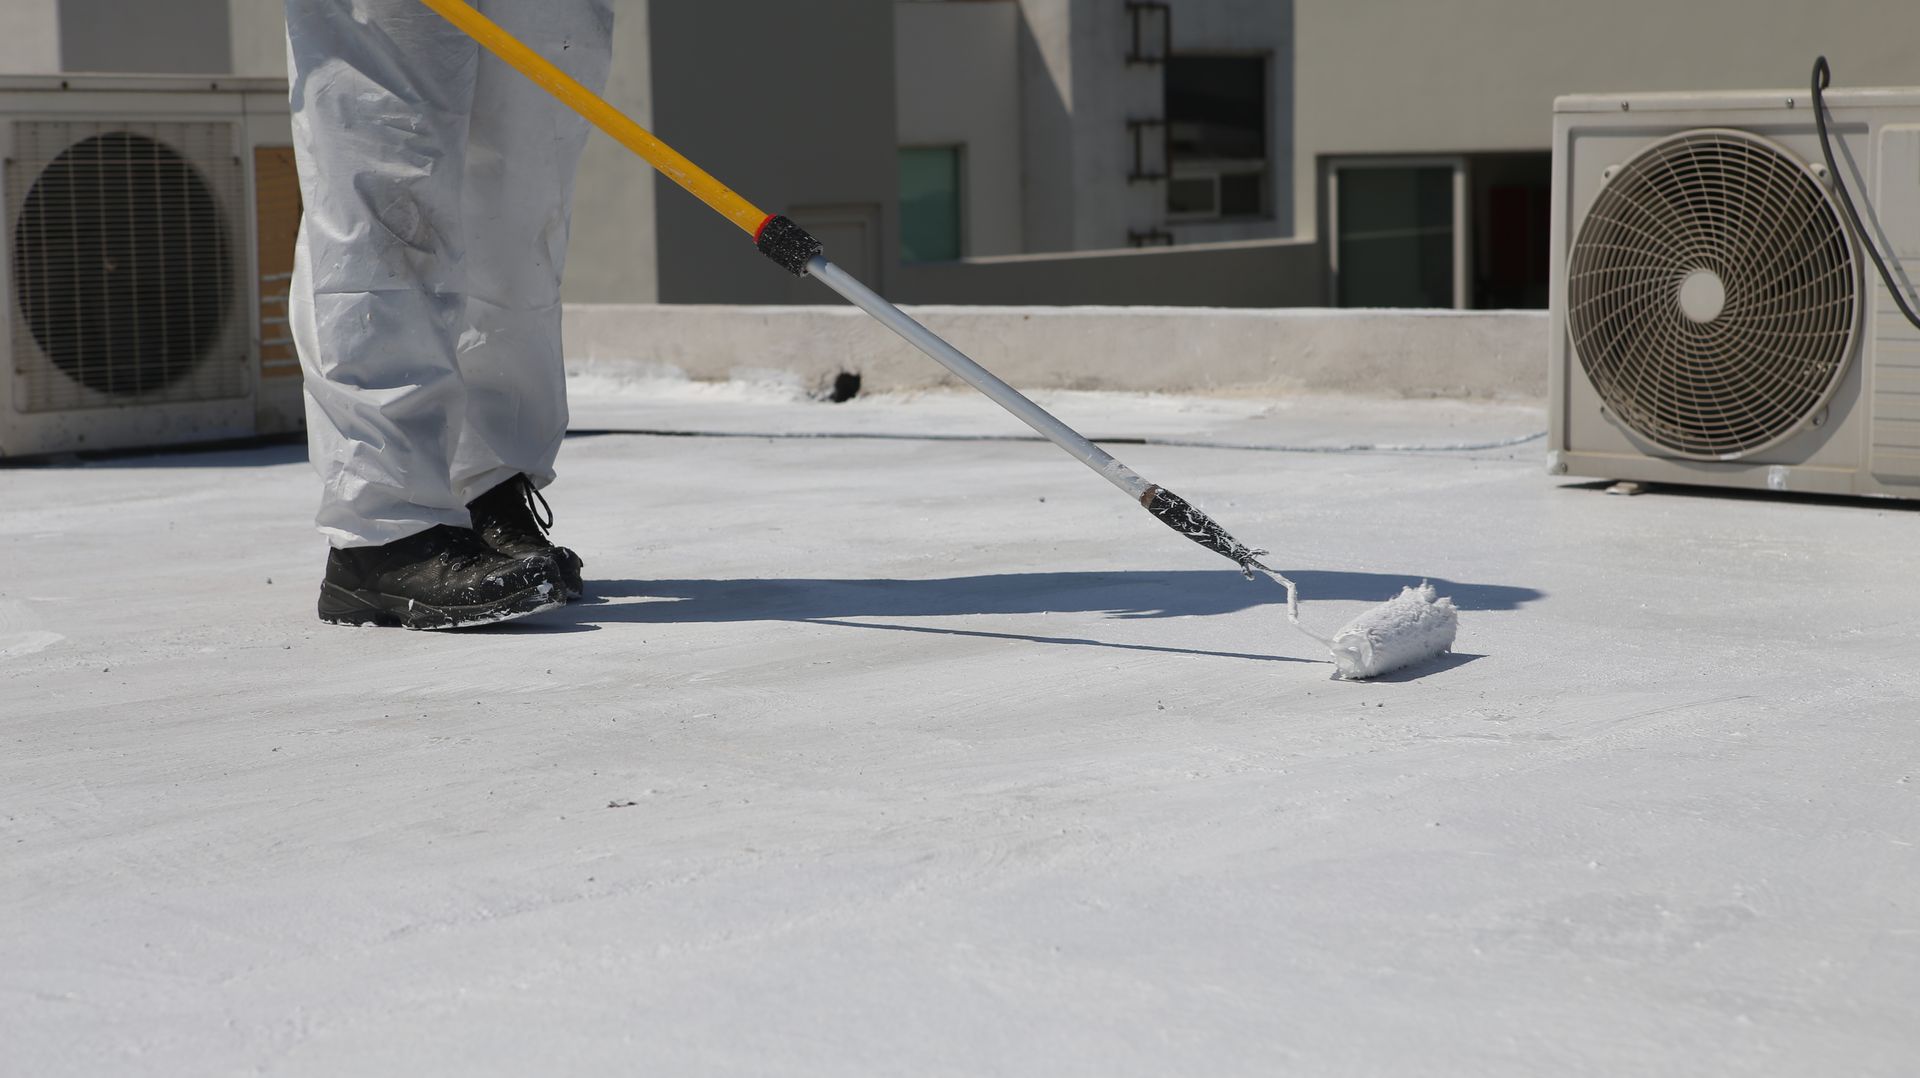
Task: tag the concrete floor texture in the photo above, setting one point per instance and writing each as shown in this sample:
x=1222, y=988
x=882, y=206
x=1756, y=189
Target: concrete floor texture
x=926, y=753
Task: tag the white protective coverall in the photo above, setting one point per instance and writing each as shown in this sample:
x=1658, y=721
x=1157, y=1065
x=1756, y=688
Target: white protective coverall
x=426, y=290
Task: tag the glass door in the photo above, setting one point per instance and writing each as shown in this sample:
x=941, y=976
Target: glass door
x=1399, y=236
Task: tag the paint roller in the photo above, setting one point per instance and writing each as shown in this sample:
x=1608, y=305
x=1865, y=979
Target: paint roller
x=1413, y=627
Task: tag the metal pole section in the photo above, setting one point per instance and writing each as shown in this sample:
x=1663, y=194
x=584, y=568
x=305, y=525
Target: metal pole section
x=980, y=378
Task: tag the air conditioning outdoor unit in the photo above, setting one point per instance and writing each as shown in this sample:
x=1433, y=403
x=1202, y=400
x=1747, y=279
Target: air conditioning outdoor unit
x=150, y=223
x=1714, y=319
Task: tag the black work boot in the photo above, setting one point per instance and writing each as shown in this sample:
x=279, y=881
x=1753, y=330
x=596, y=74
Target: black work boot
x=441, y=578
x=513, y=519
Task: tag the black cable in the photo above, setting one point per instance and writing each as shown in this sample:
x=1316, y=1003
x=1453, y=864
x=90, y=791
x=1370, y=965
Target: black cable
x=1822, y=78
x=1169, y=443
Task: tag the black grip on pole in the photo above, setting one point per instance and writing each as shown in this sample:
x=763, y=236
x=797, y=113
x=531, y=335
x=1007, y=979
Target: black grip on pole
x=1176, y=513
x=789, y=245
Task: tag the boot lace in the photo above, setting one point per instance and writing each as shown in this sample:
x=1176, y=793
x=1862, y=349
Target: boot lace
x=536, y=506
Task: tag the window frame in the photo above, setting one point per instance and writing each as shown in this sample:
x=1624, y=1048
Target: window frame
x=1214, y=168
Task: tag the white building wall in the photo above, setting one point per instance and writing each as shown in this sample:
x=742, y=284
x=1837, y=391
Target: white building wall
x=1047, y=124
x=1109, y=92
x=30, y=37
x=259, y=38
x=957, y=71
x=1451, y=76
x=1079, y=94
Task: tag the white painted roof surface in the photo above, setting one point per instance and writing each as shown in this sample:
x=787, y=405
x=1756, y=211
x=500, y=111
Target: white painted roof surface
x=923, y=757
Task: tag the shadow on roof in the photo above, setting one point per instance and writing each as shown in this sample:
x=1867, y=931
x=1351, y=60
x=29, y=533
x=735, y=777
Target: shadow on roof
x=1118, y=594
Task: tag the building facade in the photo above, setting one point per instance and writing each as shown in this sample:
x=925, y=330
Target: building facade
x=1234, y=152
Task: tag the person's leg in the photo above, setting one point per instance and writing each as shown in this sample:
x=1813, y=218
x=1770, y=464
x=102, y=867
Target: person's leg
x=523, y=150
x=381, y=94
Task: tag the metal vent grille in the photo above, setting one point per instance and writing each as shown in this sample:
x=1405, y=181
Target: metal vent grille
x=1711, y=294
x=127, y=266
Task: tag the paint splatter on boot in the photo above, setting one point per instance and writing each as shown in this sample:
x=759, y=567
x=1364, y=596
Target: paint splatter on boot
x=514, y=519
x=441, y=578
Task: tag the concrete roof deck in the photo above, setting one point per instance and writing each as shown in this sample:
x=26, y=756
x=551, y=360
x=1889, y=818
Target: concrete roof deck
x=883, y=755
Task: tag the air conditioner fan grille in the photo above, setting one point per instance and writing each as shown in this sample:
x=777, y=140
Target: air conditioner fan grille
x=126, y=264
x=1711, y=294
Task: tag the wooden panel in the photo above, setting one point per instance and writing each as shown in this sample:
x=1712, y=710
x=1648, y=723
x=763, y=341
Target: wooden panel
x=277, y=206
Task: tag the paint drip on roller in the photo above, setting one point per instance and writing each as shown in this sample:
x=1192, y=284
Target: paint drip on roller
x=1414, y=626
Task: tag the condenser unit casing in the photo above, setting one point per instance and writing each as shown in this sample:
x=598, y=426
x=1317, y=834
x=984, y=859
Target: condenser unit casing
x=1714, y=320
x=150, y=225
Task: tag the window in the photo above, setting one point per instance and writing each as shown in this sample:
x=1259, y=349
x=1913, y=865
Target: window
x=1467, y=230
x=1217, y=137
x=930, y=204
x=1396, y=239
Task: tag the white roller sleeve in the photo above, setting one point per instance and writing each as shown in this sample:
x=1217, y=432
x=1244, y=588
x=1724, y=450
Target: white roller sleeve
x=1414, y=626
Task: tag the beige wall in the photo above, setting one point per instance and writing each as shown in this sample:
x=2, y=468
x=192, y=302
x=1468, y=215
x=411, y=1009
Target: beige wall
x=1473, y=75
x=162, y=36
x=613, y=256
x=792, y=106
x=259, y=30
x=957, y=66
x=1261, y=273
x=29, y=37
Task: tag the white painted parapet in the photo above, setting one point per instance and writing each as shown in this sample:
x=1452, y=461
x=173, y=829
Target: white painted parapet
x=1487, y=354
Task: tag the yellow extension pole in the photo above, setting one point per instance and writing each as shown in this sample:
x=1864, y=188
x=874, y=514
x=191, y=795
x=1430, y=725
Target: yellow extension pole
x=596, y=111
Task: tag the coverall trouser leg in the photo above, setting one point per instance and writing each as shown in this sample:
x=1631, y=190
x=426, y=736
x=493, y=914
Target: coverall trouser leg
x=426, y=295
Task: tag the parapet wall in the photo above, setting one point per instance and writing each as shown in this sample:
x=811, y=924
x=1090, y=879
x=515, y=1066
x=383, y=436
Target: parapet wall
x=1264, y=274
x=1491, y=354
